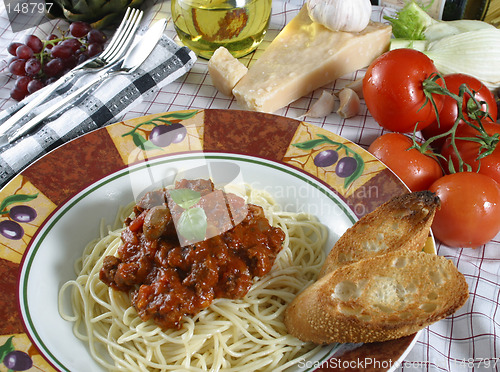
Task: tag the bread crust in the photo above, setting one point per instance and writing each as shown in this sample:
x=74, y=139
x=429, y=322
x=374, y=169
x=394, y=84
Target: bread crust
x=402, y=223
x=377, y=299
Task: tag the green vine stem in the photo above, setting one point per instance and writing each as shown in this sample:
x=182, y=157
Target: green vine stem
x=473, y=108
x=16, y=198
x=162, y=120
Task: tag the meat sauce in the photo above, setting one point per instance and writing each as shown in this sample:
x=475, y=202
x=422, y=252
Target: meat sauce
x=168, y=280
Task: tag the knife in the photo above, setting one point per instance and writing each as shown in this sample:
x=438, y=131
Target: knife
x=132, y=60
x=93, y=63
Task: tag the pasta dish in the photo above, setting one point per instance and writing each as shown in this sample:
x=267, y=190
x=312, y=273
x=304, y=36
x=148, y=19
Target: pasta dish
x=224, y=313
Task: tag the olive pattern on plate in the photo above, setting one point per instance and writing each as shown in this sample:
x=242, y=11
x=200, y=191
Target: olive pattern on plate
x=348, y=167
x=14, y=360
x=11, y=227
x=166, y=130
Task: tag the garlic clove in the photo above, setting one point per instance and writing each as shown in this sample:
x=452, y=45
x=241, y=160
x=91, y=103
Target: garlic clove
x=350, y=104
x=341, y=15
x=357, y=86
x=323, y=106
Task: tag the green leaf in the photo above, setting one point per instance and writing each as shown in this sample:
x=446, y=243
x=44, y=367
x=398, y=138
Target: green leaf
x=193, y=224
x=180, y=115
x=142, y=143
x=17, y=198
x=185, y=198
x=162, y=121
x=6, y=348
x=309, y=145
x=358, y=172
x=148, y=145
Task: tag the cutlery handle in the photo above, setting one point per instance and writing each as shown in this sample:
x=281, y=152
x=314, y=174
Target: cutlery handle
x=92, y=64
x=53, y=108
x=26, y=109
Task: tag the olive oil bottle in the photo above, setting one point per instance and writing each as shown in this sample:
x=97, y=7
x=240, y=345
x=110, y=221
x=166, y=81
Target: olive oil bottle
x=205, y=25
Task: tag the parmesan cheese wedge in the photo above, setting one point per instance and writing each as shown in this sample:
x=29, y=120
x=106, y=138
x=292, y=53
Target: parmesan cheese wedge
x=305, y=56
x=225, y=70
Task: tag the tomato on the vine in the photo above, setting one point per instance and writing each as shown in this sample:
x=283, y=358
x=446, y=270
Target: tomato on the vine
x=449, y=113
x=416, y=169
x=393, y=89
x=470, y=209
x=469, y=151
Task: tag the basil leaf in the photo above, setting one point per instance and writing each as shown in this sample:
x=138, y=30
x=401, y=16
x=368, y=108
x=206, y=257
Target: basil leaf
x=16, y=198
x=193, y=224
x=185, y=198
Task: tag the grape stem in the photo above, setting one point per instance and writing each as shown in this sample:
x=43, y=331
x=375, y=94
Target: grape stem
x=64, y=36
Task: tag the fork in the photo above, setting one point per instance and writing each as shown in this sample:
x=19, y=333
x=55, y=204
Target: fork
x=115, y=50
x=134, y=58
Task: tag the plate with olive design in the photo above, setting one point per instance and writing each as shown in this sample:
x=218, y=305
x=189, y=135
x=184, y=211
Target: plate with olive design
x=50, y=211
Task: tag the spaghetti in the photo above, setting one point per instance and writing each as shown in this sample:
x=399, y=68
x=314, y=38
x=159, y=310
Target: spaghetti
x=230, y=335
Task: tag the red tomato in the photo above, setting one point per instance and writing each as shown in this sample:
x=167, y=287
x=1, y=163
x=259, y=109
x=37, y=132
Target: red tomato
x=469, y=150
x=449, y=113
x=470, y=209
x=417, y=170
x=393, y=90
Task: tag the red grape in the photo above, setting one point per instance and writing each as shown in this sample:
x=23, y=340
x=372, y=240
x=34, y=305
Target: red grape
x=34, y=43
x=16, y=67
x=96, y=36
x=33, y=66
x=53, y=67
x=24, y=52
x=52, y=37
x=61, y=51
x=79, y=29
x=94, y=49
x=73, y=44
x=17, y=94
x=12, y=48
x=70, y=62
x=82, y=57
x=40, y=62
x=35, y=85
x=22, y=83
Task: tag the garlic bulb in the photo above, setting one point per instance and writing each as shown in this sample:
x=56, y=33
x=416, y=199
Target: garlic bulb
x=341, y=15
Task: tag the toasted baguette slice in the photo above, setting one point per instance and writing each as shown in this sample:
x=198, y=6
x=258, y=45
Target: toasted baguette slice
x=377, y=299
x=402, y=223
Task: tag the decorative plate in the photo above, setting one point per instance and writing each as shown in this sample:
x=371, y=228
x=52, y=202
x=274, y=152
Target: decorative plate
x=53, y=208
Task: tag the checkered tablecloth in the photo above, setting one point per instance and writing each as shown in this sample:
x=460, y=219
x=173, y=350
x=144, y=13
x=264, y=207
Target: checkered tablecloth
x=469, y=340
